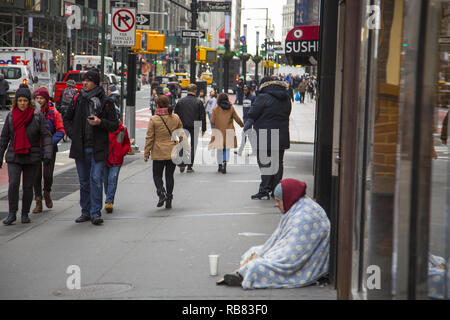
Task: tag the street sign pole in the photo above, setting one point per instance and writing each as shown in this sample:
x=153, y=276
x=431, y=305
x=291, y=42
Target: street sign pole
x=194, y=17
x=103, y=40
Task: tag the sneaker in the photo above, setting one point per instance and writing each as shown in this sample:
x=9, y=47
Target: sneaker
x=109, y=207
x=261, y=196
x=97, y=221
x=190, y=170
x=182, y=169
x=82, y=219
x=233, y=280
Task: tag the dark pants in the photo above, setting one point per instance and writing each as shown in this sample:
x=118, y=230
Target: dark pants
x=194, y=143
x=302, y=97
x=158, y=169
x=28, y=178
x=269, y=182
x=48, y=177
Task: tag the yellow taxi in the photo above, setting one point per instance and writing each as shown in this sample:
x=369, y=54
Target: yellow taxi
x=206, y=76
x=183, y=79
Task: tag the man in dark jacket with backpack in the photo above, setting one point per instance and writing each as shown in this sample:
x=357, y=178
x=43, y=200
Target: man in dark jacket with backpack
x=269, y=115
x=88, y=121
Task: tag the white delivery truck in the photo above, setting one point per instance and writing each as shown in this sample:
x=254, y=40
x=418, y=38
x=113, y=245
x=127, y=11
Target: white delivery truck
x=31, y=66
x=84, y=62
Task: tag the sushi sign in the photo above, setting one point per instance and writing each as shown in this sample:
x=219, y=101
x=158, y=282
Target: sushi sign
x=302, y=45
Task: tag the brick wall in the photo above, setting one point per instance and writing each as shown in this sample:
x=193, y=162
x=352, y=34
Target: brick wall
x=385, y=131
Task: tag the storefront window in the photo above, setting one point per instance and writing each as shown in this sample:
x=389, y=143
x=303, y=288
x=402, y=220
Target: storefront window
x=438, y=288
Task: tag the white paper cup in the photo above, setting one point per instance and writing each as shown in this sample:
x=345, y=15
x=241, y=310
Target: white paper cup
x=213, y=264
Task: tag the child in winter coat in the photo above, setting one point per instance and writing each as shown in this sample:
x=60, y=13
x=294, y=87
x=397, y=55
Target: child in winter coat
x=119, y=145
x=56, y=126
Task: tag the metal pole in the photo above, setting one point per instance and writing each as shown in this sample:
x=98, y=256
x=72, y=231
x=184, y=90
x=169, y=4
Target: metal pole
x=257, y=54
x=193, y=41
x=103, y=40
x=122, y=81
x=130, y=111
x=68, y=55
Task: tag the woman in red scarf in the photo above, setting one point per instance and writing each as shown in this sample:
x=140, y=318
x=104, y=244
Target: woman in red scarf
x=21, y=139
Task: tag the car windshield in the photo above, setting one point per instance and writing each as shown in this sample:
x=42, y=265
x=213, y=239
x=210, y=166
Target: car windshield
x=74, y=76
x=11, y=72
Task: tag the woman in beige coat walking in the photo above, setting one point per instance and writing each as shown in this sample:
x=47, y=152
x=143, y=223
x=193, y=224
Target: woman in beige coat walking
x=159, y=144
x=223, y=135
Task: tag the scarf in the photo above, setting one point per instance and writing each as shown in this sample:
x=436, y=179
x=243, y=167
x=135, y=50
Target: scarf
x=162, y=111
x=20, y=120
x=292, y=191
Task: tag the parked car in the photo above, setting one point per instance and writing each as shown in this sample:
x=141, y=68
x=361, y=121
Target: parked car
x=16, y=75
x=206, y=76
x=183, y=79
x=77, y=75
x=169, y=81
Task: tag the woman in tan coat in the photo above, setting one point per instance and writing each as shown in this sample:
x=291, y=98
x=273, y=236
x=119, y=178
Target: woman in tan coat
x=223, y=135
x=159, y=144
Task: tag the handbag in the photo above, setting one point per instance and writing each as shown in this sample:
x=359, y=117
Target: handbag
x=182, y=153
x=297, y=97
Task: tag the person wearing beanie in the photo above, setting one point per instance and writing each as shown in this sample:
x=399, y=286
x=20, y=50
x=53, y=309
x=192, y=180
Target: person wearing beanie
x=88, y=121
x=56, y=126
x=25, y=139
x=92, y=75
x=297, y=252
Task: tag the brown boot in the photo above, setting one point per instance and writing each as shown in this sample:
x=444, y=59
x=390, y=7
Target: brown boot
x=48, y=200
x=38, y=208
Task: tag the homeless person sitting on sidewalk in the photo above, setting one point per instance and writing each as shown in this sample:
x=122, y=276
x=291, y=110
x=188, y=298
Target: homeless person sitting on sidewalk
x=296, y=254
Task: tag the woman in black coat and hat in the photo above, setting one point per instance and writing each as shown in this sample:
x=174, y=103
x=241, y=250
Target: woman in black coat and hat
x=21, y=138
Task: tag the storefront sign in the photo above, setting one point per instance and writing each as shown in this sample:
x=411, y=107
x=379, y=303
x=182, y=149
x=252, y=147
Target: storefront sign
x=302, y=45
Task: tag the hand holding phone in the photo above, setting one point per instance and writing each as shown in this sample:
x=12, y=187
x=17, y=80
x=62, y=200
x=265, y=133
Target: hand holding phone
x=91, y=118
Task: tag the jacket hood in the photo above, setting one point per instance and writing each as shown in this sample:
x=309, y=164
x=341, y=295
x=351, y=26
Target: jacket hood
x=275, y=88
x=225, y=105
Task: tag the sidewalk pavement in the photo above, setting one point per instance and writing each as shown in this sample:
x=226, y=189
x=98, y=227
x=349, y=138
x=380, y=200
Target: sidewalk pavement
x=144, y=252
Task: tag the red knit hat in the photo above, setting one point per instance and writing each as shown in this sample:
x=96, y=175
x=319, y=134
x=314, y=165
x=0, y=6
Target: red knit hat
x=43, y=92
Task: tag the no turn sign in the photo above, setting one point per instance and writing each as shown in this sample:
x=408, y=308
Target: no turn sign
x=123, y=27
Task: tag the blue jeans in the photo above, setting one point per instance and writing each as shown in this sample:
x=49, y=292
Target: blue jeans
x=110, y=178
x=90, y=174
x=223, y=155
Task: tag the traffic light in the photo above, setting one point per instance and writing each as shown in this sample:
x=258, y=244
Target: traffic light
x=209, y=37
x=201, y=54
x=156, y=42
x=206, y=55
x=138, y=45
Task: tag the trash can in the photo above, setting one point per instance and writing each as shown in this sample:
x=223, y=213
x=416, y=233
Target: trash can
x=202, y=85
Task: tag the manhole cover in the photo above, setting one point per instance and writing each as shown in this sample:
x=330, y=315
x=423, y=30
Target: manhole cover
x=94, y=290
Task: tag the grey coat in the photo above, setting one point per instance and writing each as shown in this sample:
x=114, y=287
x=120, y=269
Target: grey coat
x=37, y=130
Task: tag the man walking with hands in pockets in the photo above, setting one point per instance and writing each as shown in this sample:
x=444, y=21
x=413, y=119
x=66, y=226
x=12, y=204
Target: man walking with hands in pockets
x=191, y=109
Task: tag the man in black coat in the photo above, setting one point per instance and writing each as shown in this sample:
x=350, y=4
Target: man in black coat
x=269, y=115
x=88, y=121
x=191, y=109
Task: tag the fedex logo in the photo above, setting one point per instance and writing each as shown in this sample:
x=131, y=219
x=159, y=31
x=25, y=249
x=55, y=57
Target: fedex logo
x=15, y=60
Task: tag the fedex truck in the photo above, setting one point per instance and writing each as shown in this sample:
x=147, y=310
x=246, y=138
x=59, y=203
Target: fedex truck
x=34, y=67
